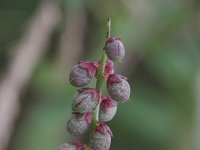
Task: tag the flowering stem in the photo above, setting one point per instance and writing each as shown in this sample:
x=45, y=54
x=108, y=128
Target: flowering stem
x=100, y=71
x=100, y=81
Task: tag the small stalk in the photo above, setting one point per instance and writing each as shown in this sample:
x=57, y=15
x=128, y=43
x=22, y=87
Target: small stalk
x=99, y=83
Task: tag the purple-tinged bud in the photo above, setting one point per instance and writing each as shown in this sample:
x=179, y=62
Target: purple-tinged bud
x=80, y=146
x=118, y=88
x=101, y=137
x=67, y=146
x=86, y=100
x=79, y=123
x=115, y=49
x=109, y=69
x=84, y=147
x=82, y=73
x=75, y=145
x=108, y=108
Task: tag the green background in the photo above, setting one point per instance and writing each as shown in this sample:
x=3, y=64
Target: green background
x=162, y=41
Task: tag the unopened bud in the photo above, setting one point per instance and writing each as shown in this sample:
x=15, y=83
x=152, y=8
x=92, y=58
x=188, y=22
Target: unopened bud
x=115, y=49
x=79, y=123
x=85, y=100
x=76, y=145
x=67, y=146
x=108, y=108
x=82, y=73
x=109, y=69
x=101, y=137
x=118, y=88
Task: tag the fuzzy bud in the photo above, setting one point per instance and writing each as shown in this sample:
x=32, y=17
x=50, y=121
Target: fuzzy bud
x=76, y=145
x=109, y=69
x=85, y=100
x=79, y=123
x=67, y=146
x=82, y=73
x=115, y=49
x=101, y=137
x=108, y=108
x=118, y=88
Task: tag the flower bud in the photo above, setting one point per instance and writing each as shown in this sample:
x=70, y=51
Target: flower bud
x=115, y=49
x=108, y=108
x=101, y=137
x=82, y=73
x=118, y=88
x=79, y=123
x=85, y=100
x=76, y=145
x=67, y=146
x=109, y=69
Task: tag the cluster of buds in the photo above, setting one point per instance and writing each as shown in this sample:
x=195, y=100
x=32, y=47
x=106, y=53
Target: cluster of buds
x=89, y=101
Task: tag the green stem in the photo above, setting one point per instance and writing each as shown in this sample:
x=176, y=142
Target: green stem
x=100, y=70
x=99, y=83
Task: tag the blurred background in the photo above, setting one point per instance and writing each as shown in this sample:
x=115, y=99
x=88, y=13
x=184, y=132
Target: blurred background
x=40, y=40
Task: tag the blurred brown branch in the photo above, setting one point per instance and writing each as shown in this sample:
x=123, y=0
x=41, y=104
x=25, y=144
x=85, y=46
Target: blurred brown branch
x=28, y=52
x=71, y=43
x=196, y=130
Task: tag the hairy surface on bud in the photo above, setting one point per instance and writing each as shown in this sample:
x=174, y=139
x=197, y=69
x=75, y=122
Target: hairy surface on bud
x=67, y=146
x=75, y=145
x=109, y=69
x=115, y=49
x=80, y=146
x=79, y=123
x=101, y=137
x=108, y=108
x=82, y=73
x=118, y=88
x=86, y=100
